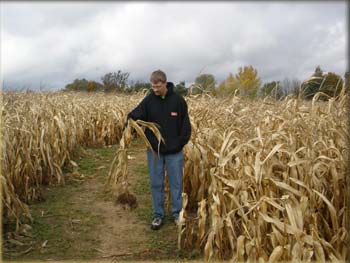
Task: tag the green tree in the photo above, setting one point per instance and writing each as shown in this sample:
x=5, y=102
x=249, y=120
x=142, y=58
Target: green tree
x=77, y=85
x=221, y=90
x=332, y=84
x=138, y=86
x=205, y=83
x=227, y=87
x=312, y=85
x=180, y=88
x=91, y=86
x=115, y=81
x=248, y=81
x=94, y=86
x=318, y=72
x=272, y=89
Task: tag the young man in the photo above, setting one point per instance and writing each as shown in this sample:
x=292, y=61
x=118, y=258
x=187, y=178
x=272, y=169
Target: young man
x=169, y=110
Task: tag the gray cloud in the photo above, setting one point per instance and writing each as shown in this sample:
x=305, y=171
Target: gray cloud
x=54, y=43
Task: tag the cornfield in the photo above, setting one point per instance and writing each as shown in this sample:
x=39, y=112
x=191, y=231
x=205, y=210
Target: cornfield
x=266, y=181
x=40, y=132
x=263, y=180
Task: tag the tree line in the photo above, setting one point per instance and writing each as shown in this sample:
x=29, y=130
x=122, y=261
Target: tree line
x=245, y=83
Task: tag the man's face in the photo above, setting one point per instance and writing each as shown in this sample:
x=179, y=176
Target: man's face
x=159, y=88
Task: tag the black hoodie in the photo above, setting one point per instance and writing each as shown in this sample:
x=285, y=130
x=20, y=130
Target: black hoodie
x=171, y=114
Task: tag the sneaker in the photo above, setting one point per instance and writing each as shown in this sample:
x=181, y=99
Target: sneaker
x=156, y=223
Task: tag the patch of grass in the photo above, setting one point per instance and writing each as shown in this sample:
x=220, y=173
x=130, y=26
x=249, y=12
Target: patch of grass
x=144, y=213
x=53, y=198
x=98, y=157
x=89, y=159
x=104, y=195
x=164, y=240
x=79, y=151
x=98, y=162
x=62, y=223
x=141, y=188
x=106, y=152
x=87, y=166
x=142, y=185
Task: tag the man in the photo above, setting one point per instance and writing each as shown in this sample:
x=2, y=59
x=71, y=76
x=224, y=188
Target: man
x=169, y=110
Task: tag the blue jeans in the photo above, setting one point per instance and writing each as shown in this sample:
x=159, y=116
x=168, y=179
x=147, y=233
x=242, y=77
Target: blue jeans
x=174, y=165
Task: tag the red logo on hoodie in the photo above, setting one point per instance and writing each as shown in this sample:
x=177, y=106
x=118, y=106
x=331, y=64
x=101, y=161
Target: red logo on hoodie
x=173, y=113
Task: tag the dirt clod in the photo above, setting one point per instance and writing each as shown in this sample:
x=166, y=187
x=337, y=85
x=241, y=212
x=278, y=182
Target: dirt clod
x=127, y=199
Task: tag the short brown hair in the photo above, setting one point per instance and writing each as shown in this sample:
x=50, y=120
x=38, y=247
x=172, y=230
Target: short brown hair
x=158, y=76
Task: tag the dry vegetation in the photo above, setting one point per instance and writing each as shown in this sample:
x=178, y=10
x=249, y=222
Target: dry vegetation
x=39, y=134
x=264, y=180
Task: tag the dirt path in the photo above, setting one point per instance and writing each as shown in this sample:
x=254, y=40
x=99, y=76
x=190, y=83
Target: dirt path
x=119, y=223
x=81, y=221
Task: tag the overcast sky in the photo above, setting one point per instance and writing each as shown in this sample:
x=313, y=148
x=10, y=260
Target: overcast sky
x=53, y=43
